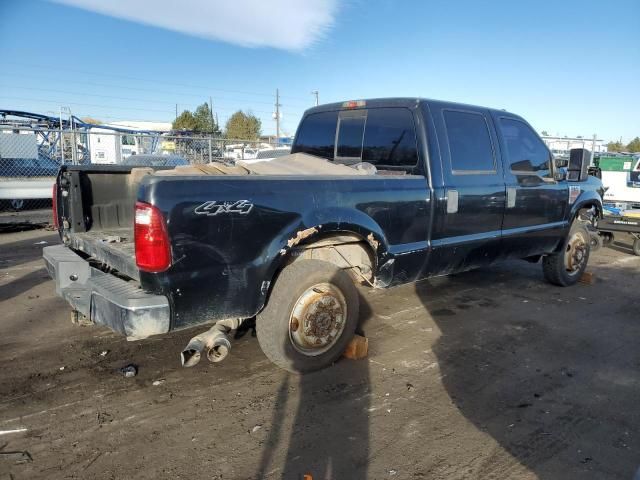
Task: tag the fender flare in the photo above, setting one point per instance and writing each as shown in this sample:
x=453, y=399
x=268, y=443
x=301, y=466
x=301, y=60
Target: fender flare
x=315, y=226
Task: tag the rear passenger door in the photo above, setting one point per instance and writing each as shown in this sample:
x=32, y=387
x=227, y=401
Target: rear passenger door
x=536, y=203
x=468, y=219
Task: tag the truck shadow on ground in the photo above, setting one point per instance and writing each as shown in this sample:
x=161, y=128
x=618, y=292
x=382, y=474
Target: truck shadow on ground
x=329, y=435
x=23, y=284
x=547, y=372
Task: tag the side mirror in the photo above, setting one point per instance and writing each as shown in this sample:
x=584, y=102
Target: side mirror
x=579, y=161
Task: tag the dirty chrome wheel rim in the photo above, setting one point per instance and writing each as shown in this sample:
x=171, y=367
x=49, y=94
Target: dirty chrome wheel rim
x=576, y=253
x=318, y=319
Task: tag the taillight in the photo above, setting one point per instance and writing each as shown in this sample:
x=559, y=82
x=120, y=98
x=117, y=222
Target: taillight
x=54, y=205
x=153, y=253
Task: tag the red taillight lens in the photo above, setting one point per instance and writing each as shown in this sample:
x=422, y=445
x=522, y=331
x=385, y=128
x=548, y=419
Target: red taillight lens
x=54, y=205
x=153, y=253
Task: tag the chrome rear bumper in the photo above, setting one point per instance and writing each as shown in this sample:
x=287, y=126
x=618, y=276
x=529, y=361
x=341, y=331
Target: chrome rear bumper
x=104, y=298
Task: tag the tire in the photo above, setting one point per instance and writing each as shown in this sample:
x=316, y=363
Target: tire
x=597, y=241
x=607, y=238
x=566, y=267
x=308, y=289
x=636, y=247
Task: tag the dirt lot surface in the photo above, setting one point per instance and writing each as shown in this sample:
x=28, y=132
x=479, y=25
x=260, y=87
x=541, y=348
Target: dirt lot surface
x=487, y=374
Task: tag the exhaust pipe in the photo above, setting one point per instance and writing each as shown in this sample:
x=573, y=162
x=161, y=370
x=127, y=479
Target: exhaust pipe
x=214, y=341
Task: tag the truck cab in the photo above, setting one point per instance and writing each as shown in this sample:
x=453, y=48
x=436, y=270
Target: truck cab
x=494, y=189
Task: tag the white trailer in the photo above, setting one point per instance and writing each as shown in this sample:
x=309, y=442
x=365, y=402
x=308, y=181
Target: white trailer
x=111, y=147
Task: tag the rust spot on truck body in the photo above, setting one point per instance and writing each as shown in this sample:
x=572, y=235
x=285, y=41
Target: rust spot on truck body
x=301, y=235
x=372, y=240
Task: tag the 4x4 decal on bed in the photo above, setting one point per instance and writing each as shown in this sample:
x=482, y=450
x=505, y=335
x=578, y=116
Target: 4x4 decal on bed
x=215, y=207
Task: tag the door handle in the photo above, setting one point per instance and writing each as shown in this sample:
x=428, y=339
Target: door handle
x=511, y=197
x=452, y=201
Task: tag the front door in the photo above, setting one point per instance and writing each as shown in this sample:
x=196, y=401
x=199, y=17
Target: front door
x=534, y=218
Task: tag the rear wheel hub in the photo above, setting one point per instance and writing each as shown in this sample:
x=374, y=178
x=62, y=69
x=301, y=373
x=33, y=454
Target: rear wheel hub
x=318, y=319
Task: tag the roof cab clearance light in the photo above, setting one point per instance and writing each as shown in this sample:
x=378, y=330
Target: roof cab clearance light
x=54, y=205
x=354, y=104
x=153, y=252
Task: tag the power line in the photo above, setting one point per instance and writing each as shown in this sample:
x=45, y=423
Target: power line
x=139, y=79
x=65, y=102
x=117, y=97
x=169, y=110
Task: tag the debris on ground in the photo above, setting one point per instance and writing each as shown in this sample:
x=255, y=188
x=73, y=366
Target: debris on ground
x=104, y=353
x=16, y=456
x=357, y=348
x=256, y=428
x=130, y=370
x=588, y=278
x=158, y=382
x=104, y=417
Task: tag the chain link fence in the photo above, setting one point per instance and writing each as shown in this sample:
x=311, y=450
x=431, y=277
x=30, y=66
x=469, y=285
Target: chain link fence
x=30, y=158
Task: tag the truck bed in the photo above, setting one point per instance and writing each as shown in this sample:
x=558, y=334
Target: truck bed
x=101, y=201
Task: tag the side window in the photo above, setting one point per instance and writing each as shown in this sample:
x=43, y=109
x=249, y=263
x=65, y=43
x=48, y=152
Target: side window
x=390, y=138
x=469, y=142
x=317, y=134
x=350, y=131
x=526, y=152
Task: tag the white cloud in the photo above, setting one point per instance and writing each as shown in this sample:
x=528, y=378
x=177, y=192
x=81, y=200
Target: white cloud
x=285, y=24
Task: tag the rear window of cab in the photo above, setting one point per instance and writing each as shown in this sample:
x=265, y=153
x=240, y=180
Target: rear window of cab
x=384, y=137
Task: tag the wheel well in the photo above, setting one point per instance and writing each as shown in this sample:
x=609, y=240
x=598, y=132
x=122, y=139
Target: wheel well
x=588, y=213
x=346, y=250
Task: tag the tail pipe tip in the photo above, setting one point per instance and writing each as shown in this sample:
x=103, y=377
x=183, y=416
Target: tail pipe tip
x=219, y=350
x=217, y=346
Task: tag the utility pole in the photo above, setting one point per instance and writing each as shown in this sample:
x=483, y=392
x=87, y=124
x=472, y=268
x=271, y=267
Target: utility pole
x=176, y=111
x=315, y=93
x=277, y=116
x=211, y=114
x=61, y=145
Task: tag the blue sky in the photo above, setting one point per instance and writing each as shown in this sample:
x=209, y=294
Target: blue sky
x=569, y=67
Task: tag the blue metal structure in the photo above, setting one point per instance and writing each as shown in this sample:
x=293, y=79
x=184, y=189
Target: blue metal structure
x=48, y=129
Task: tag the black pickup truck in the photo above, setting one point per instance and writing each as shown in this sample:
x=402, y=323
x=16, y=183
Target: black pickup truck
x=380, y=192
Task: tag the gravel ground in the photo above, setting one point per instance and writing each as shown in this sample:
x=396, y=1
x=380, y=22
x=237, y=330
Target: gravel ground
x=487, y=374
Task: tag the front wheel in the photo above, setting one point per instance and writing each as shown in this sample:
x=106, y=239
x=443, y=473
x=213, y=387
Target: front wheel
x=566, y=267
x=636, y=247
x=311, y=315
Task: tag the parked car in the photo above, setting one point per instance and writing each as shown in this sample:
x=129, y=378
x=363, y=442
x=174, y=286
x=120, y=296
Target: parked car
x=447, y=188
x=26, y=179
x=266, y=154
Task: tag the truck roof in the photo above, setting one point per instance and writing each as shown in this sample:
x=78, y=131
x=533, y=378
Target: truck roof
x=392, y=102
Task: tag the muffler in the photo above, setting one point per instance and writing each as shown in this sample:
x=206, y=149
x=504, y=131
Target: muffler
x=214, y=341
